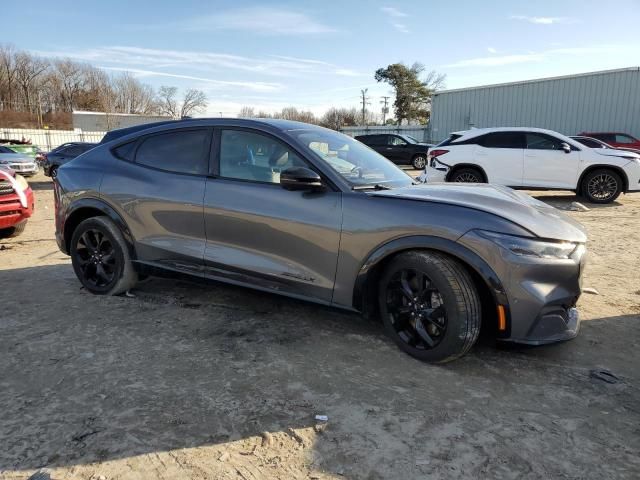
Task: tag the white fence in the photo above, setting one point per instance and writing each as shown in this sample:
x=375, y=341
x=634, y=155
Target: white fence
x=49, y=139
x=419, y=132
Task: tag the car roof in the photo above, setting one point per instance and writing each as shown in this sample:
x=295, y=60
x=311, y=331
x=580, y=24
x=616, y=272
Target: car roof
x=276, y=123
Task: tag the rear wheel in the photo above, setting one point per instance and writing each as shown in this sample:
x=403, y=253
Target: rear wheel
x=601, y=186
x=467, y=175
x=100, y=257
x=430, y=306
x=419, y=161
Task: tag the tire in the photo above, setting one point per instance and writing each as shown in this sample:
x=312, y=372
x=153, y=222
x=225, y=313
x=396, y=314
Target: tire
x=452, y=317
x=601, y=186
x=13, y=231
x=53, y=172
x=100, y=257
x=419, y=161
x=467, y=175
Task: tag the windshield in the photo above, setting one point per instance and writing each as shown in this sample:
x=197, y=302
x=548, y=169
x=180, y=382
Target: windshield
x=355, y=162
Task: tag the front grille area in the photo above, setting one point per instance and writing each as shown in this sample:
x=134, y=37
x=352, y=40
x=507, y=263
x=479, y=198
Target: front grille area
x=5, y=188
x=9, y=212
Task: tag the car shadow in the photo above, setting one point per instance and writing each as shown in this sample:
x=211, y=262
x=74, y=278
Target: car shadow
x=179, y=365
x=563, y=201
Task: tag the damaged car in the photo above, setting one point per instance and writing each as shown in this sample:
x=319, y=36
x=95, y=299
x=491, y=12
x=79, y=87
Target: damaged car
x=307, y=212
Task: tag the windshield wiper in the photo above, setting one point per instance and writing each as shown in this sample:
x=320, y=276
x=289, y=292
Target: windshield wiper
x=376, y=186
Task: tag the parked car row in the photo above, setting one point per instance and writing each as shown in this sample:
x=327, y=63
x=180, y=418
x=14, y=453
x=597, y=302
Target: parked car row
x=534, y=158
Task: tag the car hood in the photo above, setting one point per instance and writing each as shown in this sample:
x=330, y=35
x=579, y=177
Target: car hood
x=611, y=152
x=15, y=158
x=535, y=216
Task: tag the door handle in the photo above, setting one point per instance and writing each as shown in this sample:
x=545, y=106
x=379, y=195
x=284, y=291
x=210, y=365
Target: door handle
x=389, y=148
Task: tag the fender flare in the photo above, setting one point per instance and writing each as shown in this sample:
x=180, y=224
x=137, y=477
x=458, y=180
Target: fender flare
x=416, y=242
x=92, y=203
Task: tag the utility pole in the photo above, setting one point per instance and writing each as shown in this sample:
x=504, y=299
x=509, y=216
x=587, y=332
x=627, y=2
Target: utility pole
x=385, y=109
x=365, y=101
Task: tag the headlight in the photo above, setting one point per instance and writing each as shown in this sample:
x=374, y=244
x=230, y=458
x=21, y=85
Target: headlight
x=529, y=247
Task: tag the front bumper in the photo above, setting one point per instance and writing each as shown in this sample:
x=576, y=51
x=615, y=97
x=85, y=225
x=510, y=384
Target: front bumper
x=24, y=168
x=541, y=293
x=12, y=212
x=434, y=175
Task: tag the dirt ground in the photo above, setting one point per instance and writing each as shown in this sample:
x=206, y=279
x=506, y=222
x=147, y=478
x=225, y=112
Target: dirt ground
x=194, y=381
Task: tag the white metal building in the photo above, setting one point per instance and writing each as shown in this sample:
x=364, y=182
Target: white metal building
x=597, y=101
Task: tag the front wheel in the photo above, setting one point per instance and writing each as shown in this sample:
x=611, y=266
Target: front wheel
x=14, y=231
x=430, y=306
x=100, y=257
x=419, y=161
x=601, y=186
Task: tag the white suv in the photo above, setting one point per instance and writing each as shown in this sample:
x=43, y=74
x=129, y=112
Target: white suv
x=533, y=158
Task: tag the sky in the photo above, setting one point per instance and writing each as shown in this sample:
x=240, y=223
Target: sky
x=315, y=55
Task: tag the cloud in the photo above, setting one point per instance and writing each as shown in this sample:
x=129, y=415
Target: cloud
x=400, y=27
x=529, y=57
x=158, y=59
x=543, y=20
x=258, y=20
x=491, y=50
x=394, y=12
x=211, y=83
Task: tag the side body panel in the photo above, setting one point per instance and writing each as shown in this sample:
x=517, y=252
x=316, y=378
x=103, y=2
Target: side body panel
x=164, y=213
x=274, y=238
x=551, y=168
x=504, y=166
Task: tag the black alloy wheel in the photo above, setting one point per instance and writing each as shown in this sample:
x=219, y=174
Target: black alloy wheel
x=416, y=309
x=96, y=258
x=100, y=257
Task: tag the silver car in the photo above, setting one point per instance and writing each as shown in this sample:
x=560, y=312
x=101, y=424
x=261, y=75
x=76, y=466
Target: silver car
x=18, y=162
x=307, y=212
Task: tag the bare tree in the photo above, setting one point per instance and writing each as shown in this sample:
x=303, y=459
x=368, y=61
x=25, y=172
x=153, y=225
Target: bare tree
x=336, y=118
x=247, y=112
x=28, y=68
x=167, y=101
x=194, y=101
x=70, y=81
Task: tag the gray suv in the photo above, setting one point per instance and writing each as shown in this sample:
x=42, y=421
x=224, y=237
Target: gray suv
x=307, y=212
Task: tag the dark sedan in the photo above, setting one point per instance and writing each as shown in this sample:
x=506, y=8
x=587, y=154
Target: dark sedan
x=62, y=154
x=307, y=212
x=400, y=149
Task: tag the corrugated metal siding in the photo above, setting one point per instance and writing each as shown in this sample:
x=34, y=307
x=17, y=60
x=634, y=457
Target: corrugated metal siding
x=600, y=101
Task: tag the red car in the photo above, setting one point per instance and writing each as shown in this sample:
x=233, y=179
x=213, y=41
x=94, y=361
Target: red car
x=617, y=140
x=16, y=203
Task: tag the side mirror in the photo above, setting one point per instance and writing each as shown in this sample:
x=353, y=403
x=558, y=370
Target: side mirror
x=566, y=147
x=300, y=178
